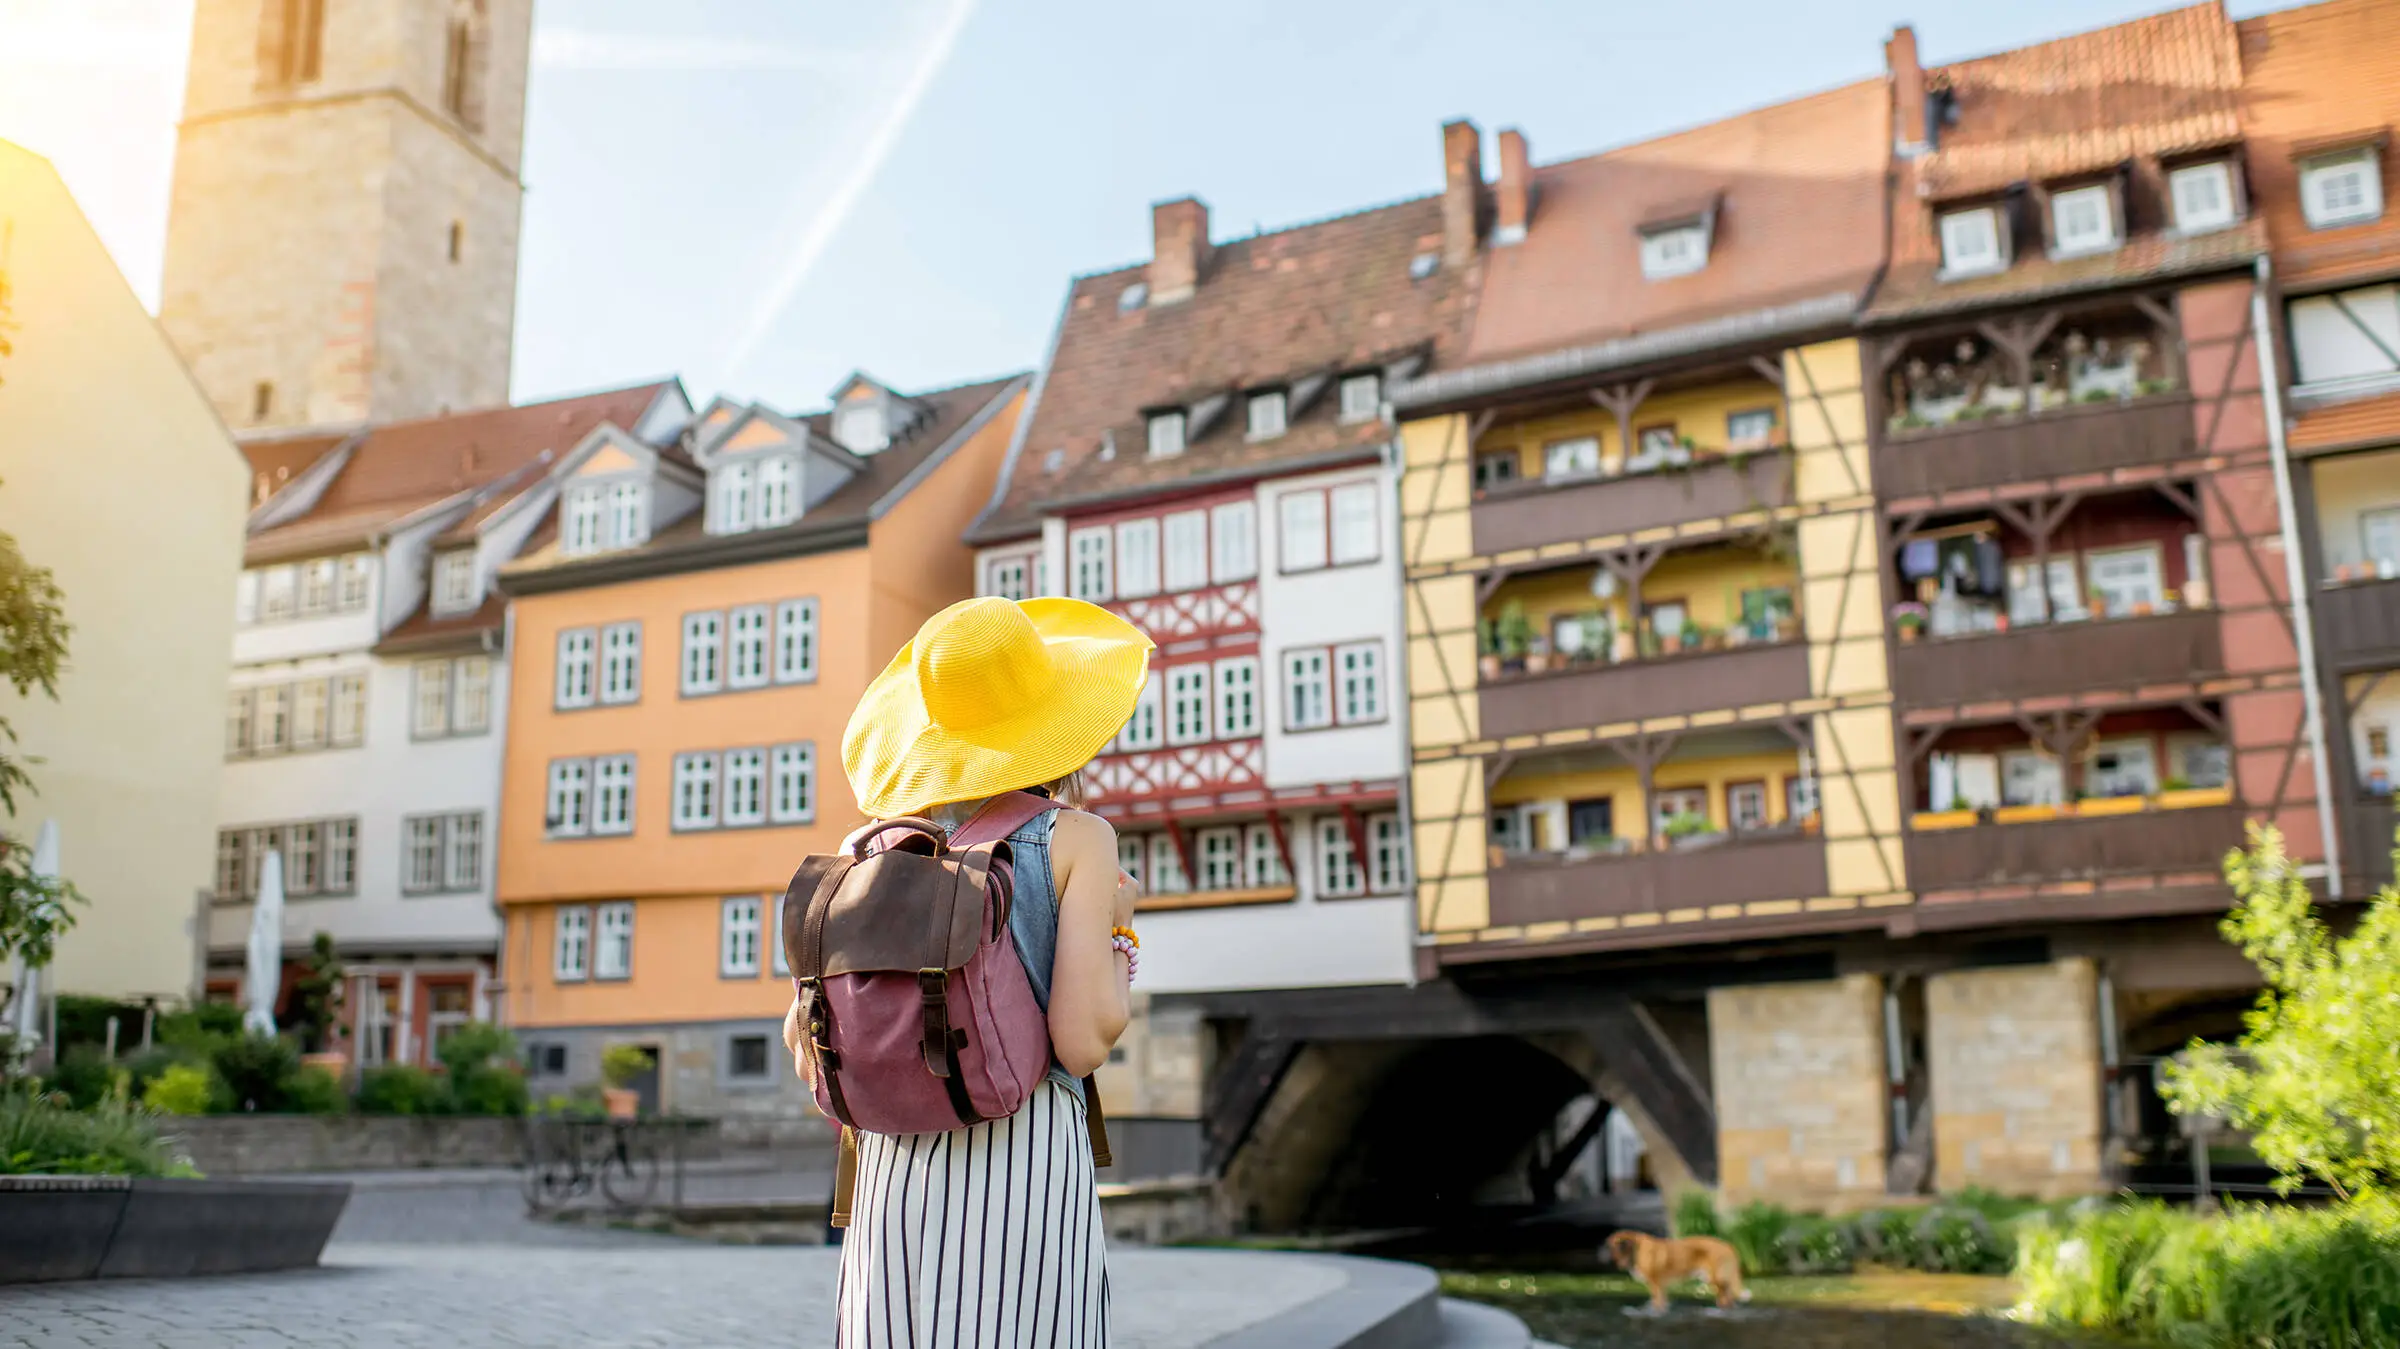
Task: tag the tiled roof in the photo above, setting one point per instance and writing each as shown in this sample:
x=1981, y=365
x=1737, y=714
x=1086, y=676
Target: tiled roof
x=1270, y=310
x=275, y=462
x=403, y=467
x=2360, y=422
x=2314, y=76
x=422, y=631
x=687, y=542
x=1799, y=188
x=2158, y=86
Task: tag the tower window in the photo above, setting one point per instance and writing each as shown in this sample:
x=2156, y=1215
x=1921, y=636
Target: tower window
x=462, y=92
x=291, y=41
x=262, y=401
x=458, y=239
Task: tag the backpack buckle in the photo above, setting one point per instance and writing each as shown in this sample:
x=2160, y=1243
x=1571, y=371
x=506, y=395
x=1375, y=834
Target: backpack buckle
x=934, y=985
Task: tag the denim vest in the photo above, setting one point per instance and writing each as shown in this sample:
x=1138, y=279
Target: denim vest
x=1033, y=911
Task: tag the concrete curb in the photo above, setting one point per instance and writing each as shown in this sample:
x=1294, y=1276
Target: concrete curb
x=54, y=1228
x=1382, y=1304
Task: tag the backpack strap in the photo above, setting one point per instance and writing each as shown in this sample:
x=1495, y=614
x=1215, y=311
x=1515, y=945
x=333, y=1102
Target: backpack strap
x=1001, y=816
x=1096, y=1122
x=845, y=1180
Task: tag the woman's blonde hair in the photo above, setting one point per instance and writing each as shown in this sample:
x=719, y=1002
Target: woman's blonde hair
x=1070, y=791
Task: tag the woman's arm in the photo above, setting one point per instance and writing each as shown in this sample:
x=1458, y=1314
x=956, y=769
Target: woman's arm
x=1089, y=1001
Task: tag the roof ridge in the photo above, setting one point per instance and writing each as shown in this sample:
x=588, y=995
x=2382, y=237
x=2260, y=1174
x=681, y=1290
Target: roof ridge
x=2084, y=35
x=1694, y=128
x=1295, y=227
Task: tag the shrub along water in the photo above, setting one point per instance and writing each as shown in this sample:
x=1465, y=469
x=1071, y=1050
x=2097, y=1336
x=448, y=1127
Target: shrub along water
x=1973, y=1232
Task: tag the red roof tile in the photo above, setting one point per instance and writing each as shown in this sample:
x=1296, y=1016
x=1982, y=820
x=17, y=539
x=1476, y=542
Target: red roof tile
x=2362, y=422
x=2315, y=77
x=275, y=462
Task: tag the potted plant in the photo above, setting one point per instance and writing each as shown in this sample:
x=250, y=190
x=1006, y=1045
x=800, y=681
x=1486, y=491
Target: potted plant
x=1537, y=654
x=1515, y=633
x=1787, y=627
x=317, y=1007
x=1625, y=644
x=1691, y=635
x=1958, y=815
x=1686, y=828
x=1487, y=649
x=1909, y=617
x=1669, y=642
x=1712, y=639
x=621, y=1065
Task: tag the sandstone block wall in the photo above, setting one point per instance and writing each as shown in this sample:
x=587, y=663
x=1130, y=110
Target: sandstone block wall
x=2014, y=1056
x=1800, y=1095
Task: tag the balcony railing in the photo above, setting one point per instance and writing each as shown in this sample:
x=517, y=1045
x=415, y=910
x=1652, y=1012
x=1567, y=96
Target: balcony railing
x=2367, y=824
x=1736, y=870
x=1593, y=695
x=2361, y=622
x=2039, y=660
x=2073, y=847
x=1534, y=512
x=2079, y=438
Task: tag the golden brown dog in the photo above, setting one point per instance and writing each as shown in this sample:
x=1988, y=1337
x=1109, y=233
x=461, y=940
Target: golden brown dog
x=1660, y=1263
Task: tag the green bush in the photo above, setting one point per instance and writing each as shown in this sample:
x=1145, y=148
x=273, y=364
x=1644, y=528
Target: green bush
x=402, y=1089
x=1950, y=1240
x=257, y=1071
x=492, y=1089
x=315, y=1091
x=83, y=1075
x=84, y=1021
x=201, y=1028
x=476, y=1045
x=40, y=1135
x=1696, y=1214
x=1814, y=1245
x=147, y=1066
x=182, y=1089
x=2290, y=1278
x=1754, y=1229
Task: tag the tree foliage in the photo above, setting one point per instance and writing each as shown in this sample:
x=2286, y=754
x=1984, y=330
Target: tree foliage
x=2315, y=1078
x=33, y=649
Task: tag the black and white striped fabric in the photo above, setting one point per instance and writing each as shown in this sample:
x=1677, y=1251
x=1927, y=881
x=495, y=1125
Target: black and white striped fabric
x=988, y=1236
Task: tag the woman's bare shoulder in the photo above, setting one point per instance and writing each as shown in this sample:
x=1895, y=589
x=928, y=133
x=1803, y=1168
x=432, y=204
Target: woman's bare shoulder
x=1080, y=833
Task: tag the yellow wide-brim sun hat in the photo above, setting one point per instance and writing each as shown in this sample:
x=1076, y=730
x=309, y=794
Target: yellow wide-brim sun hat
x=991, y=696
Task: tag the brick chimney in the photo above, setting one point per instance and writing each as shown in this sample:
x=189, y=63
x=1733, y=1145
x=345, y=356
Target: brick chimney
x=1515, y=205
x=1179, y=248
x=1462, y=192
x=1908, y=92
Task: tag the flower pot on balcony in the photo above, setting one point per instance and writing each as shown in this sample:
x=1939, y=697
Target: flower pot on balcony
x=1925, y=820
x=1670, y=643
x=1489, y=667
x=1908, y=634
x=1537, y=662
x=621, y=1102
x=2186, y=798
x=2024, y=814
x=1623, y=644
x=1787, y=629
x=2111, y=805
x=2141, y=609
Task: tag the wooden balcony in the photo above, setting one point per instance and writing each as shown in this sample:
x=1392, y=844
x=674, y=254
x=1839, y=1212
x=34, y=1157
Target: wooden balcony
x=1735, y=871
x=2044, y=659
x=2367, y=825
x=2063, y=442
x=1532, y=513
x=2360, y=623
x=1595, y=695
x=2072, y=848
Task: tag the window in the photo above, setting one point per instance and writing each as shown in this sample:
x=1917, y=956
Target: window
x=1307, y=703
x=2203, y=196
x=239, y=729
x=569, y=813
x=1263, y=859
x=262, y=400
x=449, y=1008
x=746, y=1057
x=356, y=569
x=745, y=787
x=1237, y=698
x=458, y=73
x=1137, y=558
x=628, y=514
x=1746, y=805
x=307, y=848
x=1388, y=838
x=2083, y=220
x=1009, y=577
x=2028, y=604
x=1234, y=554
x=1656, y=445
x=1132, y=853
x=612, y=794
x=1571, y=460
x=734, y=496
x=1503, y=466
x=695, y=791
x=1362, y=397
x=309, y=714
x=2030, y=778
x=1303, y=541
x=580, y=530
x=341, y=856
x=1220, y=859
x=795, y=788
x=1667, y=805
x=1267, y=414
x=574, y=686
x=430, y=714
x=2122, y=768
x=862, y=428
x=1338, y=872
x=441, y=853
x=1142, y=729
x=1362, y=682
x=454, y=587
x=571, y=957
x=1971, y=242
x=1166, y=434
x=703, y=670
x=292, y=45
x=458, y=240
x=1752, y=426
x=454, y=697
x=778, y=491
x=471, y=695
x=746, y=648
x=1187, y=704
x=621, y=663
x=1677, y=251
x=316, y=587
x=275, y=719
x=1166, y=867
x=613, y=959
x=737, y=946
x=2123, y=578
x=2202, y=761
x=304, y=859
x=1357, y=536
x=1187, y=550
x=1089, y=564
x=1592, y=822
x=278, y=592
x=245, y=598
x=795, y=641
x=2341, y=189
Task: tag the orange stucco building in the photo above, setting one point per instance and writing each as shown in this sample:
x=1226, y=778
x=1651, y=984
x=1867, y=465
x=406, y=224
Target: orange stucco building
x=693, y=628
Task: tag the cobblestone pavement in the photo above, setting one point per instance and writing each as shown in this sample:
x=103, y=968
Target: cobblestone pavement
x=488, y=1207
x=617, y=1292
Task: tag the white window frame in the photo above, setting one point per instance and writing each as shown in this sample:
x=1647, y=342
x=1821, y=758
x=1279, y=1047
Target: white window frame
x=1237, y=698
x=462, y=851
x=612, y=795
x=749, y=638
x=1358, y=683
x=567, y=812
x=2140, y=748
x=1266, y=414
x=1009, y=577
x=571, y=944
x=2193, y=217
x=455, y=588
x=796, y=641
x=1341, y=874
x=312, y=713
x=612, y=941
x=2320, y=171
x=1675, y=250
x=1362, y=397
x=1183, y=551
x=349, y=724
x=736, y=493
x=573, y=680
x=316, y=587
x=1354, y=523
x=1166, y=433
x=1307, y=689
x=1091, y=564
x=429, y=700
x=245, y=598
x=2098, y=559
x=358, y=572
x=1146, y=729
x=703, y=653
x=1574, y=459
x=583, y=527
x=1189, y=718
x=2069, y=207
x=1735, y=795
x=870, y=413
x=792, y=783
x=1133, y=852
x=1304, y=531
x=697, y=791
x=742, y=799
x=1218, y=852
x=422, y=855
x=628, y=513
x=777, y=499
x=1137, y=558
x=741, y=933
x=341, y=856
x=1955, y=232
x=1734, y=421
x=1262, y=858
x=1387, y=838
x=1233, y=541
x=621, y=663
x=279, y=593
x=470, y=695
x=1166, y=867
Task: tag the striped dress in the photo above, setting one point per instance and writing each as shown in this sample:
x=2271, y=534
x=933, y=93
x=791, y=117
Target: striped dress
x=989, y=1235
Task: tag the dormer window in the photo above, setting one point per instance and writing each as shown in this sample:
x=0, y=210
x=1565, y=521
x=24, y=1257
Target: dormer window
x=1362, y=397
x=1972, y=242
x=2341, y=189
x=1674, y=250
x=597, y=519
x=2203, y=195
x=778, y=491
x=2083, y=220
x=1166, y=434
x=862, y=428
x=1267, y=409
x=454, y=582
x=736, y=488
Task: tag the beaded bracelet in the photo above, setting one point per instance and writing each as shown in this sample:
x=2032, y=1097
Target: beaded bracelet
x=1128, y=934
x=1132, y=951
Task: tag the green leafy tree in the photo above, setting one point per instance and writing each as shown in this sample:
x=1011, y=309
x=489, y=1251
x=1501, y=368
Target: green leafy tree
x=2315, y=1078
x=317, y=997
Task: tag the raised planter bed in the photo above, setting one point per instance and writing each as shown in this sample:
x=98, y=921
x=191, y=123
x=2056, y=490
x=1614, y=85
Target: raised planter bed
x=110, y=1227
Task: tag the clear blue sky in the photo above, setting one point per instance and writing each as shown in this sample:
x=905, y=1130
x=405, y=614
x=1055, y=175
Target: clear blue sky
x=705, y=194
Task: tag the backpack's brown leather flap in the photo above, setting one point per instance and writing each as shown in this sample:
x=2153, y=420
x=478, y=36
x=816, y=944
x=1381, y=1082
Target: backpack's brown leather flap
x=900, y=911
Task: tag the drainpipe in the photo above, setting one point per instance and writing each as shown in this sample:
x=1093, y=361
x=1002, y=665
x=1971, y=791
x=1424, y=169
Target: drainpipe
x=2304, y=628
x=1396, y=451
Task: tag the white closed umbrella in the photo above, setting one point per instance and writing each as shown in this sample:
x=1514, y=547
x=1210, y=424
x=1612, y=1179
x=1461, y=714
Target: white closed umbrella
x=28, y=1005
x=266, y=947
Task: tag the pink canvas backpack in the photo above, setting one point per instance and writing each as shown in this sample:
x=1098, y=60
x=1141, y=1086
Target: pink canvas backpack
x=914, y=1011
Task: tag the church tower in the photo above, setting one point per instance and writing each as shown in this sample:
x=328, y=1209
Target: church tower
x=342, y=243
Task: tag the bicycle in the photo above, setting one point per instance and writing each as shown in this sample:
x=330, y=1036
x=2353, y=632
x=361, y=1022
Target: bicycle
x=569, y=1159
